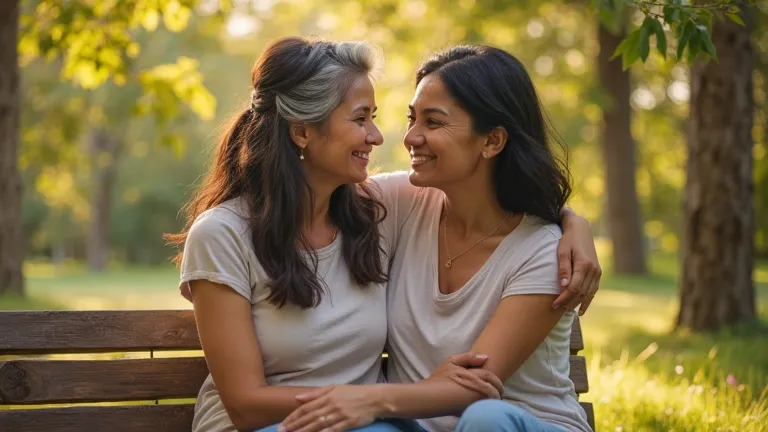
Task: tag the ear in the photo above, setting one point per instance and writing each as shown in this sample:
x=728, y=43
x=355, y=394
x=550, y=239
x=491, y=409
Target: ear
x=495, y=142
x=299, y=133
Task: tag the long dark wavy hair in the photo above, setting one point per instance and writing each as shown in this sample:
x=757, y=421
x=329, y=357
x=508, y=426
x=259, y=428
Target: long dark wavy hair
x=293, y=80
x=494, y=88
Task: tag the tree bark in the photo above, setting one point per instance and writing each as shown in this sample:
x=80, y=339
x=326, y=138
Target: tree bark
x=623, y=209
x=11, y=237
x=104, y=151
x=716, y=288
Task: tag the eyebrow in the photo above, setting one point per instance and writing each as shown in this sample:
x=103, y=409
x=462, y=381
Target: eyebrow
x=430, y=110
x=365, y=108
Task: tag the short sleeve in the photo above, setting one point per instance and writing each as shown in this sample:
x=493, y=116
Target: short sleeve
x=538, y=273
x=216, y=251
x=398, y=196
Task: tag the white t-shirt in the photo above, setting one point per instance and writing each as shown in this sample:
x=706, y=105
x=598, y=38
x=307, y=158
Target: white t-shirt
x=426, y=326
x=338, y=342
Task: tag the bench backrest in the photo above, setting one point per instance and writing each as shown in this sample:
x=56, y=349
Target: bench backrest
x=143, y=368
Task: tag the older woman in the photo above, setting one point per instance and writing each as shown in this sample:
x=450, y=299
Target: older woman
x=287, y=248
x=475, y=266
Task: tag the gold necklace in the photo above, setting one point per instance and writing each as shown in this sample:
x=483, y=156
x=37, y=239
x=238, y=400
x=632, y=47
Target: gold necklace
x=449, y=263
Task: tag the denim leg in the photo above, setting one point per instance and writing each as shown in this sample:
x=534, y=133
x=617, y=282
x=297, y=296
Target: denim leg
x=377, y=426
x=499, y=416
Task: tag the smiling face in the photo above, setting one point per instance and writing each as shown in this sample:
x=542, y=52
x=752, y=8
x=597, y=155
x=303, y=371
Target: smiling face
x=443, y=146
x=338, y=150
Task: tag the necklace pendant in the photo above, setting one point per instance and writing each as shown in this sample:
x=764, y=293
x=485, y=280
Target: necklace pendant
x=448, y=263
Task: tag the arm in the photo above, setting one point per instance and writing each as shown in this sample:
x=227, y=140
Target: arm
x=232, y=352
x=578, y=266
x=215, y=267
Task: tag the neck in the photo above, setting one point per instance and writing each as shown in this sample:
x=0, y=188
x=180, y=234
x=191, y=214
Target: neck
x=472, y=207
x=319, y=207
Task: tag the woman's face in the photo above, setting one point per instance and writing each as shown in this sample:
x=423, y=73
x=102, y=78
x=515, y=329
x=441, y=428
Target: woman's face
x=337, y=152
x=443, y=147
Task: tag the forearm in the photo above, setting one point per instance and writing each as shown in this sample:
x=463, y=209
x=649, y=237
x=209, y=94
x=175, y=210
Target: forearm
x=427, y=398
x=265, y=406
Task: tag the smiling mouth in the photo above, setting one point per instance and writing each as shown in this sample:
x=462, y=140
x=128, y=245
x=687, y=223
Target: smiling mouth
x=419, y=160
x=361, y=155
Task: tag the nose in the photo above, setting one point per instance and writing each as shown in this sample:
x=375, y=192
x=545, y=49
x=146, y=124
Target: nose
x=374, y=136
x=413, y=138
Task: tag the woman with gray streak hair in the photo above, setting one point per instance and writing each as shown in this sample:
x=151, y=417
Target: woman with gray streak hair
x=287, y=248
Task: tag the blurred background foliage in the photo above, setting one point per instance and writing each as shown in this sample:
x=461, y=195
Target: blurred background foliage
x=160, y=147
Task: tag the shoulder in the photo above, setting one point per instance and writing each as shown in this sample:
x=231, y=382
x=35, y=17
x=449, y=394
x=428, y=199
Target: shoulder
x=538, y=231
x=227, y=221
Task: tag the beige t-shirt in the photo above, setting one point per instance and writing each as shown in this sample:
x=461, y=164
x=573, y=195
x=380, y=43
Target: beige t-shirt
x=426, y=326
x=338, y=342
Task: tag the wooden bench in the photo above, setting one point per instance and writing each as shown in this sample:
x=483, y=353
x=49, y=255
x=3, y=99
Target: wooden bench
x=42, y=392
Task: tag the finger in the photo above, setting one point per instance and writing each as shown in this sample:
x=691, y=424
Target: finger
x=572, y=289
x=314, y=394
x=585, y=305
x=564, y=264
x=583, y=292
x=312, y=422
x=341, y=426
x=479, y=385
x=468, y=360
x=490, y=378
x=306, y=414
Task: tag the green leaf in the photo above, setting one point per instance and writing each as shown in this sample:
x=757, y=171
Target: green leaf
x=632, y=50
x=736, y=18
x=671, y=14
x=705, y=40
x=685, y=35
x=661, y=37
x=644, y=45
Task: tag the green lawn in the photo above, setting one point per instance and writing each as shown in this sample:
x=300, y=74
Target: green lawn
x=643, y=376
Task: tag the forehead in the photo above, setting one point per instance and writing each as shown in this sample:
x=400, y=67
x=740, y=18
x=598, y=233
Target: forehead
x=360, y=92
x=432, y=91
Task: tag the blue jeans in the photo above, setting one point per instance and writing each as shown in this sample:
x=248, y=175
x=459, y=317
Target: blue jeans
x=499, y=416
x=396, y=425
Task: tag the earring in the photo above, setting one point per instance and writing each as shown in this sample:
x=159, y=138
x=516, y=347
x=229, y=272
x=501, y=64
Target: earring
x=485, y=155
x=301, y=154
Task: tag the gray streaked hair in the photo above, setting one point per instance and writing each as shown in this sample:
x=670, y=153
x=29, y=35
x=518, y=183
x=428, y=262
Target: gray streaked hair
x=314, y=99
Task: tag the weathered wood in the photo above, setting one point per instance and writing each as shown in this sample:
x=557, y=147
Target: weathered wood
x=577, y=338
x=46, y=332
x=96, y=331
x=69, y=381
x=162, y=418
x=590, y=413
x=579, y=374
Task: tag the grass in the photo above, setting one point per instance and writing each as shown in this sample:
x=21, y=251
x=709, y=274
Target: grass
x=643, y=376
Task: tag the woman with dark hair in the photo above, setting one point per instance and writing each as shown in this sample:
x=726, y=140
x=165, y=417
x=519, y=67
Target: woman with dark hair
x=287, y=246
x=475, y=267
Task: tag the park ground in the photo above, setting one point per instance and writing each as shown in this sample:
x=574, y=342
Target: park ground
x=643, y=376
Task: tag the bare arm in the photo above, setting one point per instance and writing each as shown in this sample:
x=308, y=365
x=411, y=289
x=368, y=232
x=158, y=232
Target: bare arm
x=517, y=327
x=232, y=352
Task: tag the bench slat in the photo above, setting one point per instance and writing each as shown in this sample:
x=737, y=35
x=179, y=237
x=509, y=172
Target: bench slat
x=47, y=332
x=61, y=381
x=24, y=382
x=50, y=332
x=162, y=418
x=165, y=418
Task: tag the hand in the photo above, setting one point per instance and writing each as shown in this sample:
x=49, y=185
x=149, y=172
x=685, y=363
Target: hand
x=464, y=369
x=579, y=269
x=334, y=409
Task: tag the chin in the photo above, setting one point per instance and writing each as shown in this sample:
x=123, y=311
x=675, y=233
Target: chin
x=356, y=177
x=420, y=179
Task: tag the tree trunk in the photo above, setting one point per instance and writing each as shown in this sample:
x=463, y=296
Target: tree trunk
x=104, y=151
x=623, y=209
x=718, y=208
x=11, y=237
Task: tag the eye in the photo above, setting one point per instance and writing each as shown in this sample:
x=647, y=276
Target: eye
x=360, y=120
x=434, y=123
x=411, y=118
